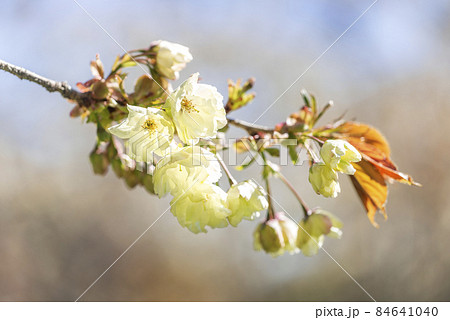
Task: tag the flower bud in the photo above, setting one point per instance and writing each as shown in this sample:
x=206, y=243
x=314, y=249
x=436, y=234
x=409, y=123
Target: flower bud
x=147, y=182
x=146, y=91
x=132, y=178
x=312, y=231
x=276, y=235
x=99, y=161
x=100, y=90
x=324, y=180
x=118, y=167
x=171, y=58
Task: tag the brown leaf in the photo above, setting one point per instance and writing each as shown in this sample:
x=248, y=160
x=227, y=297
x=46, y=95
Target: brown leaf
x=371, y=188
x=389, y=172
x=374, y=148
x=365, y=138
x=375, y=168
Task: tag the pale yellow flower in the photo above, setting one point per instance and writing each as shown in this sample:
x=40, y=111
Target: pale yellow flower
x=245, y=200
x=199, y=206
x=324, y=180
x=197, y=110
x=179, y=169
x=314, y=228
x=338, y=155
x=171, y=58
x=145, y=131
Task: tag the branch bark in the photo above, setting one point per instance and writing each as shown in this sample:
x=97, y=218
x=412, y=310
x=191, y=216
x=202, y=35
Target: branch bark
x=249, y=127
x=51, y=85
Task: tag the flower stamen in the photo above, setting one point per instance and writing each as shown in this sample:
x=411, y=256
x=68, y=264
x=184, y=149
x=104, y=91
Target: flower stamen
x=150, y=125
x=187, y=105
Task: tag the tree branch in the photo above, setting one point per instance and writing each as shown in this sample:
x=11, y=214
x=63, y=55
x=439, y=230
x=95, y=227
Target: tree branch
x=52, y=86
x=249, y=127
x=85, y=98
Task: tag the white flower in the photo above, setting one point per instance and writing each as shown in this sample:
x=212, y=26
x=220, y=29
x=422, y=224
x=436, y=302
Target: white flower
x=201, y=205
x=313, y=229
x=324, y=180
x=197, y=110
x=338, y=154
x=181, y=168
x=245, y=200
x=171, y=58
x=146, y=131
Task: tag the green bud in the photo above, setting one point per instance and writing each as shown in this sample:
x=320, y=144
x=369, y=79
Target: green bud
x=99, y=162
x=118, y=167
x=146, y=91
x=102, y=134
x=314, y=228
x=100, y=90
x=237, y=94
x=132, y=178
x=147, y=182
x=275, y=236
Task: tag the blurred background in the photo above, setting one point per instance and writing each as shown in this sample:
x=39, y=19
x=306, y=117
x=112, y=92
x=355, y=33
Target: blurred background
x=61, y=226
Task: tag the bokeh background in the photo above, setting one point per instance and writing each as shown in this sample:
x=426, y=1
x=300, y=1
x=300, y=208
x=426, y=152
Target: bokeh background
x=61, y=226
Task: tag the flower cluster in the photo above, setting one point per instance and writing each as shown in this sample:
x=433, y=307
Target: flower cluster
x=188, y=172
x=165, y=140
x=337, y=156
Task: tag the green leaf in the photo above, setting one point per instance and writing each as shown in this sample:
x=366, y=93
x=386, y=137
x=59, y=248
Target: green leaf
x=274, y=152
x=246, y=164
x=292, y=149
x=102, y=134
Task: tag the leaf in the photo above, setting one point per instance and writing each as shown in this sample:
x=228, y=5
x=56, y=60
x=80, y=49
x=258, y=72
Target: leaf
x=123, y=62
x=274, y=152
x=245, y=164
x=374, y=147
x=392, y=173
x=237, y=94
x=364, y=138
x=292, y=150
x=245, y=145
x=97, y=68
x=375, y=168
x=371, y=188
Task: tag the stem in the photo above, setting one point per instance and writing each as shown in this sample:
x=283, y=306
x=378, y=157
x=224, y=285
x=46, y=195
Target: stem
x=314, y=156
x=51, y=85
x=314, y=138
x=270, y=212
x=249, y=127
x=231, y=180
x=329, y=105
x=305, y=208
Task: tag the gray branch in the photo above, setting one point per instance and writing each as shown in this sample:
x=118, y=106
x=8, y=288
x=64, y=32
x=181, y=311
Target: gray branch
x=249, y=127
x=52, y=86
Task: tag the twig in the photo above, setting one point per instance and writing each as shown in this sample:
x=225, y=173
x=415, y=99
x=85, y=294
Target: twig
x=271, y=211
x=231, y=179
x=249, y=127
x=305, y=208
x=51, y=85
